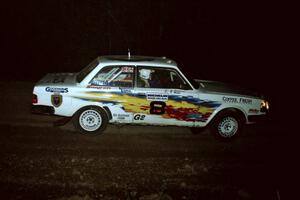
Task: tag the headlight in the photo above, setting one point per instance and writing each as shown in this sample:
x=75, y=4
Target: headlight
x=264, y=106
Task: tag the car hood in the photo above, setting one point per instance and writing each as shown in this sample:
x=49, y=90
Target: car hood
x=224, y=88
x=58, y=79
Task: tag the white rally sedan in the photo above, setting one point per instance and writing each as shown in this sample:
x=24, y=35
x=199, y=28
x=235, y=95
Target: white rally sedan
x=148, y=91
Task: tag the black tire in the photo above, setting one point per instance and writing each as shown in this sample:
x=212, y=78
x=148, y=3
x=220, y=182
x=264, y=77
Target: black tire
x=90, y=120
x=227, y=125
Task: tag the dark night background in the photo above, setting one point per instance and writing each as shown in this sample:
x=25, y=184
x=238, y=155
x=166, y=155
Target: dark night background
x=246, y=43
x=241, y=43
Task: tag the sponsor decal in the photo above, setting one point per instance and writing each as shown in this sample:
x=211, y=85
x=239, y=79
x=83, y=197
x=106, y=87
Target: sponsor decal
x=122, y=116
x=245, y=101
x=99, y=87
x=127, y=69
x=157, y=97
x=99, y=82
x=57, y=90
x=56, y=100
x=126, y=90
x=230, y=99
x=237, y=100
x=157, y=107
x=139, y=117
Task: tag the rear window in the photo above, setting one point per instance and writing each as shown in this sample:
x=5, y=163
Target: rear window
x=83, y=73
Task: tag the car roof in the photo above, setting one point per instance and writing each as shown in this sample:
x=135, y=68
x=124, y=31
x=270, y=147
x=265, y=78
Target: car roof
x=137, y=60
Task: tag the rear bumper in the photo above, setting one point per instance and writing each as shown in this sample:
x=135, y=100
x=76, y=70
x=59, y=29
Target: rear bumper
x=40, y=109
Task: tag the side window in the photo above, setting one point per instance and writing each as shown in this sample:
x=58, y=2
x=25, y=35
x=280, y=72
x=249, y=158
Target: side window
x=116, y=76
x=160, y=78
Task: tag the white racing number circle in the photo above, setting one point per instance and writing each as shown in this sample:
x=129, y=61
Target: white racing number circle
x=228, y=127
x=90, y=120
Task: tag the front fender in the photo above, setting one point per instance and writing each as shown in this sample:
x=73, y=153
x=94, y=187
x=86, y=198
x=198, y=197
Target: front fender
x=228, y=107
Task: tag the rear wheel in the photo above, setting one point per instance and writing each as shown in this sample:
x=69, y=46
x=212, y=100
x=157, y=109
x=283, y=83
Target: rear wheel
x=91, y=120
x=227, y=125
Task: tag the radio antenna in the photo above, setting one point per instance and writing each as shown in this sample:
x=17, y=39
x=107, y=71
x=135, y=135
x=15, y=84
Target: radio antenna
x=128, y=53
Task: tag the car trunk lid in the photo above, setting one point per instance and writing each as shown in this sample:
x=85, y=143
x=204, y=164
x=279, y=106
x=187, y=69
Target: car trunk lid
x=58, y=79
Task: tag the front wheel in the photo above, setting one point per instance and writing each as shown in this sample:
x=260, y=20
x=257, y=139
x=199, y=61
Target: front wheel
x=227, y=125
x=90, y=120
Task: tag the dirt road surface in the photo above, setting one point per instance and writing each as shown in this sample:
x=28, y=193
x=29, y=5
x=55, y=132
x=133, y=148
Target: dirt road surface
x=40, y=161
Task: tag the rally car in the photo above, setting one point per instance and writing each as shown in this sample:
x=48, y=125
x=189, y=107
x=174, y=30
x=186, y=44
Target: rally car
x=145, y=90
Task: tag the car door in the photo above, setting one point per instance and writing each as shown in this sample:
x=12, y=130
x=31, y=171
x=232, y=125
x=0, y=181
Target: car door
x=163, y=97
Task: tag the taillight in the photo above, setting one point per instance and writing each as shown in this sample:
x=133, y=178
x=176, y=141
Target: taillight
x=34, y=99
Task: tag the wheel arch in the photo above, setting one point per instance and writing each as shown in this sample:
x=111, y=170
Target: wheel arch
x=241, y=114
x=104, y=108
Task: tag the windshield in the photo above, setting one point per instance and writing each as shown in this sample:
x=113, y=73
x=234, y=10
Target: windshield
x=83, y=73
x=189, y=77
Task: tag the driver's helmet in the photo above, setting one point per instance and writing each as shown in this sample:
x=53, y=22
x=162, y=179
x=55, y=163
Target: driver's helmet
x=145, y=73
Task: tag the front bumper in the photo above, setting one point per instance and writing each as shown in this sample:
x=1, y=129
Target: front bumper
x=40, y=109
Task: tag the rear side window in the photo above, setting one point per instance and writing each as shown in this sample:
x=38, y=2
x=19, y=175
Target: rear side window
x=115, y=76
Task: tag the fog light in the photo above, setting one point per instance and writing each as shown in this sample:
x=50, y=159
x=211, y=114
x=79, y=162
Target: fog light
x=265, y=106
